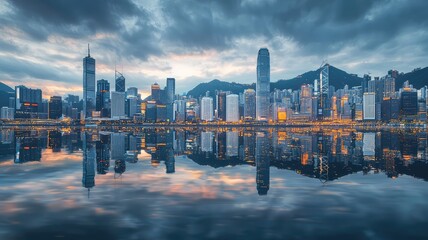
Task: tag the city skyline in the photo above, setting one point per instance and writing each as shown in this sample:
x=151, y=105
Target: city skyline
x=194, y=45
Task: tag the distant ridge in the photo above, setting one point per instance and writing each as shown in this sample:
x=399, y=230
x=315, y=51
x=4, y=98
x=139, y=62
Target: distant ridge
x=5, y=88
x=338, y=79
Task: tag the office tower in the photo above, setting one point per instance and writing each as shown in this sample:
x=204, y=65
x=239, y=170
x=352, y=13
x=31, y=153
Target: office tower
x=221, y=106
x=389, y=87
x=151, y=111
x=89, y=99
x=249, y=104
x=232, y=108
x=132, y=106
x=7, y=113
x=364, y=82
x=262, y=162
x=179, y=110
x=263, y=85
x=306, y=99
x=103, y=98
x=390, y=109
x=161, y=113
x=369, y=106
x=55, y=107
x=117, y=104
x=170, y=90
x=28, y=102
x=192, y=108
x=409, y=103
x=207, y=109
x=324, y=106
x=119, y=82
x=132, y=91
x=380, y=89
x=156, y=92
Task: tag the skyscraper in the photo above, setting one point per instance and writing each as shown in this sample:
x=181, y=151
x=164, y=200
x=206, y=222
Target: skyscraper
x=369, y=106
x=117, y=104
x=55, y=107
x=156, y=92
x=250, y=104
x=103, y=97
x=263, y=85
x=170, y=90
x=207, y=109
x=324, y=109
x=120, y=82
x=27, y=102
x=221, y=106
x=232, y=108
x=89, y=99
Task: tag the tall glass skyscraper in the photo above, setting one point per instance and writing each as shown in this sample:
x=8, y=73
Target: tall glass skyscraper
x=89, y=99
x=170, y=90
x=263, y=85
x=120, y=82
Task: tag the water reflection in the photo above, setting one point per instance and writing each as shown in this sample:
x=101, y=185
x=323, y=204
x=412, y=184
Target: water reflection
x=323, y=155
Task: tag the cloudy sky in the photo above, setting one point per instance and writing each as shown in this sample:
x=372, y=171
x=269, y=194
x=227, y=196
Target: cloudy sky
x=43, y=42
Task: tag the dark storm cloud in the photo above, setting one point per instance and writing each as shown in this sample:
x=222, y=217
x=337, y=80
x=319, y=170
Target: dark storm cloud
x=82, y=19
x=18, y=69
x=70, y=18
x=320, y=26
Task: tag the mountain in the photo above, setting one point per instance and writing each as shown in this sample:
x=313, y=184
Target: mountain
x=5, y=88
x=418, y=78
x=5, y=93
x=216, y=84
x=338, y=79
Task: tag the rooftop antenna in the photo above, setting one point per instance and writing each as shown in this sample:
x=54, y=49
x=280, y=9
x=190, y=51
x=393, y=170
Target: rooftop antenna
x=89, y=51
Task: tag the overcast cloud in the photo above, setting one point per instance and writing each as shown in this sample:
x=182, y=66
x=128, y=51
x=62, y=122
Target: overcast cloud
x=43, y=42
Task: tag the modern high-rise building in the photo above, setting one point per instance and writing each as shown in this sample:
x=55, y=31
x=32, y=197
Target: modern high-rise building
x=55, y=107
x=117, y=104
x=89, y=99
x=263, y=85
x=156, y=92
x=103, y=98
x=170, y=90
x=250, y=104
x=119, y=82
x=389, y=87
x=369, y=106
x=132, y=91
x=364, y=83
x=324, y=106
x=306, y=93
x=232, y=108
x=28, y=102
x=409, y=103
x=207, y=109
x=221, y=106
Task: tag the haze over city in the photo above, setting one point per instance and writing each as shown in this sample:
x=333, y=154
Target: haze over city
x=43, y=43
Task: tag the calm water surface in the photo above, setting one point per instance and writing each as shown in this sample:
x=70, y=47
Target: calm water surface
x=213, y=184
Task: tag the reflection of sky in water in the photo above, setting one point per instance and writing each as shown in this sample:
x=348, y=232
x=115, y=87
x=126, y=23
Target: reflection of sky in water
x=42, y=200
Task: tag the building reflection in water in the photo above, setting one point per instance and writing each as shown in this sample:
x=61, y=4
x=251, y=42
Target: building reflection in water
x=89, y=156
x=323, y=155
x=263, y=153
